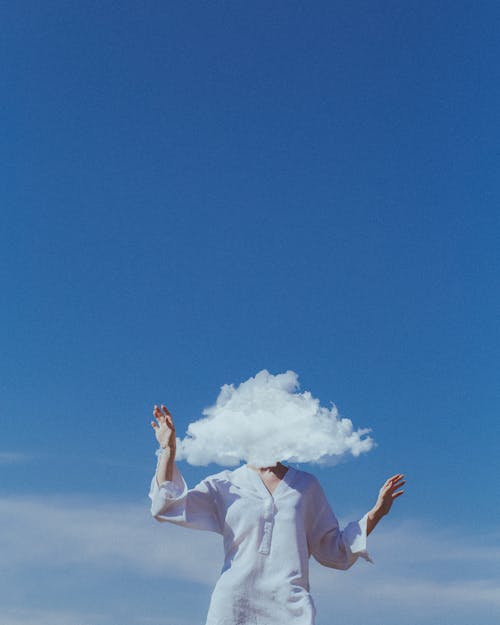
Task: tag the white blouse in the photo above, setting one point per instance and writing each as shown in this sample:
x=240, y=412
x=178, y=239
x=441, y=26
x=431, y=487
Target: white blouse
x=268, y=540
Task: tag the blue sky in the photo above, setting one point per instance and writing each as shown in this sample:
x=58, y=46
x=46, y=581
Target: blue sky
x=193, y=192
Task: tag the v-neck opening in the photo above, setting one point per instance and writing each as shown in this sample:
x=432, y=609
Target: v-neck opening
x=264, y=489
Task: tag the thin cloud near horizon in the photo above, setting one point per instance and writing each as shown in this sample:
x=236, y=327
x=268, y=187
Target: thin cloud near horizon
x=112, y=538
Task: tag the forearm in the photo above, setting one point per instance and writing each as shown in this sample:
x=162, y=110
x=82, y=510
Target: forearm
x=165, y=468
x=373, y=517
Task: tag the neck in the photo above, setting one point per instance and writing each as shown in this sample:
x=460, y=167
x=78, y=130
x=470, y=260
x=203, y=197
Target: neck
x=277, y=469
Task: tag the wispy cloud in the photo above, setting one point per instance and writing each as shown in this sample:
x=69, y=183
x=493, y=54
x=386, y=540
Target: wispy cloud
x=24, y=616
x=422, y=574
x=421, y=571
x=11, y=457
x=56, y=533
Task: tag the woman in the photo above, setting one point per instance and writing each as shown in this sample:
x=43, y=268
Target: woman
x=272, y=520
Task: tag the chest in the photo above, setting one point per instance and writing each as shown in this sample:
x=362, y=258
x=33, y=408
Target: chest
x=244, y=511
x=270, y=481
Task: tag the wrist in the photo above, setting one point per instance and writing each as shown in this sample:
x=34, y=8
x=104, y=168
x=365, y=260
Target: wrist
x=162, y=452
x=375, y=514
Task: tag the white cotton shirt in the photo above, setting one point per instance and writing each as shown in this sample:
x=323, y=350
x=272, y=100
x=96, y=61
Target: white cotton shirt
x=268, y=540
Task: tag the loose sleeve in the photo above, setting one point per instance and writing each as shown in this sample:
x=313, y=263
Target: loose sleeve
x=195, y=508
x=328, y=544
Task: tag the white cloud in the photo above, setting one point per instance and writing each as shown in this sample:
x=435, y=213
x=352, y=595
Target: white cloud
x=264, y=420
x=33, y=616
x=10, y=457
x=59, y=532
x=23, y=616
x=422, y=574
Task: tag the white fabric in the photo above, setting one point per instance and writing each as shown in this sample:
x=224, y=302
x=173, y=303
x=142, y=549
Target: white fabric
x=267, y=541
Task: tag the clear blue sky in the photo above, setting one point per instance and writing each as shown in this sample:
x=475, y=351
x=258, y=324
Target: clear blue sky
x=195, y=191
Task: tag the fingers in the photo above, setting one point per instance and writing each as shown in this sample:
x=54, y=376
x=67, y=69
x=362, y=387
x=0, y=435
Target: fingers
x=168, y=416
x=159, y=415
x=166, y=411
x=160, y=418
x=397, y=481
x=163, y=416
x=394, y=480
x=395, y=491
x=391, y=487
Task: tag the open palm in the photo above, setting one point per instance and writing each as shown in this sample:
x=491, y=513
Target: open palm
x=164, y=427
x=389, y=492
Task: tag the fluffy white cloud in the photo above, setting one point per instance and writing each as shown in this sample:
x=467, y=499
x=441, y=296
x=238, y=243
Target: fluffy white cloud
x=265, y=420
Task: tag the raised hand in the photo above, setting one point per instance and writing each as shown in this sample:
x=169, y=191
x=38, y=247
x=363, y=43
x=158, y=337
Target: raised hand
x=388, y=493
x=164, y=428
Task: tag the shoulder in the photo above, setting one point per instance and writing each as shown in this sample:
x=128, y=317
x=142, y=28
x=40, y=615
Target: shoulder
x=306, y=479
x=222, y=477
